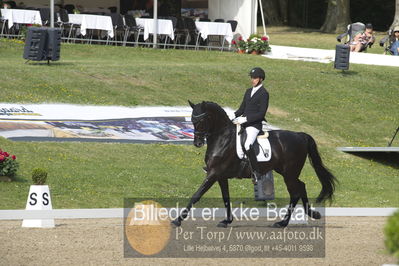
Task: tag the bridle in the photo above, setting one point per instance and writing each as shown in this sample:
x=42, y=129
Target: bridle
x=197, y=119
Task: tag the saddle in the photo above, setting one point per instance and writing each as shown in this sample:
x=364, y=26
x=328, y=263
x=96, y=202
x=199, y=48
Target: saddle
x=261, y=145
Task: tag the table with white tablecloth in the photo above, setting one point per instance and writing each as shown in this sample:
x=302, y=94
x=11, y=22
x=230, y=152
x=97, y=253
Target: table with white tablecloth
x=165, y=27
x=21, y=16
x=214, y=28
x=94, y=22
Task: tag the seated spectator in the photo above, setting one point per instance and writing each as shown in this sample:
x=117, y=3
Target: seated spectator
x=362, y=39
x=395, y=41
x=6, y=5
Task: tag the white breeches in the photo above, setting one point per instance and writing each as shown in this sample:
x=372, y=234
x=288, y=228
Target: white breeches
x=252, y=133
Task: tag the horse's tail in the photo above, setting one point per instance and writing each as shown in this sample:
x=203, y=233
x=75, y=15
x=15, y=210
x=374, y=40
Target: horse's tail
x=327, y=179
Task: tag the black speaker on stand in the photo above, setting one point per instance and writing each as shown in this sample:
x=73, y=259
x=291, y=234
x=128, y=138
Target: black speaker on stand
x=53, y=44
x=342, y=52
x=35, y=44
x=42, y=44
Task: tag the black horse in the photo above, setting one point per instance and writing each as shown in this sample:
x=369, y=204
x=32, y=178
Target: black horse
x=289, y=152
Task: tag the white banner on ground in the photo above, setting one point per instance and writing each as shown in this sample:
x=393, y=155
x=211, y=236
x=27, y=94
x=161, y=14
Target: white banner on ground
x=108, y=123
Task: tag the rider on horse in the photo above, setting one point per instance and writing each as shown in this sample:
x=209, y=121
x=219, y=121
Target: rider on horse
x=251, y=114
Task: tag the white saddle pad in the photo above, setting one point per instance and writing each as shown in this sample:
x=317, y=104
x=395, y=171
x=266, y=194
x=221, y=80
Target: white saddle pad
x=265, y=151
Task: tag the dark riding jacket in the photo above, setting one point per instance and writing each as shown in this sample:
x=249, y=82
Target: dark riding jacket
x=254, y=108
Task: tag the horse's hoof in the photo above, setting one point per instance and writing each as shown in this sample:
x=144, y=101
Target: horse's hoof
x=221, y=224
x=224, y=223
x=279, y=225
x=176, y=222
x=316, y=215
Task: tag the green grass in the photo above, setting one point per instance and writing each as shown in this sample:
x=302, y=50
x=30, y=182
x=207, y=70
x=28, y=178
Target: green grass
x=355, y=108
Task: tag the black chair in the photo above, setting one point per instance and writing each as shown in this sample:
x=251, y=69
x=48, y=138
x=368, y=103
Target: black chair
x=191, y=31
x=174, y=25
x=119, y=26
x=113, y=9
x=217, y=39
x=45, y=15
x=205, y=19
x=70, y=8
x=63, y=13
x=174, y=21
x=180, y=30
x=233, y=24
x=63, y=22
x=131, y=27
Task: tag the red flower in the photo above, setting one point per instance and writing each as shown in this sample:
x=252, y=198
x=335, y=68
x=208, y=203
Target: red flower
x=234, y=42
x=2, y=158
x=6, y=154
x=14, y=157
x=240, y=38
x=264, y=38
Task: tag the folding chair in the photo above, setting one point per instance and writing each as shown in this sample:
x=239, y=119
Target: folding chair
x=131, y=27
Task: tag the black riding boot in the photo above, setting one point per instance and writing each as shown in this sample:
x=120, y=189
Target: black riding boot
x=254, y=164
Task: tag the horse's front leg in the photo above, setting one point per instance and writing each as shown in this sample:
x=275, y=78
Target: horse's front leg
x=205, y=186
x=224, y=187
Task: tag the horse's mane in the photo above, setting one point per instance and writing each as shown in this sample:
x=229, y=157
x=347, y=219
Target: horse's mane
x=217, y=109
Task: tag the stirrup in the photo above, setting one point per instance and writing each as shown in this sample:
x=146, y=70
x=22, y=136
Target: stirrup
x=255, y=178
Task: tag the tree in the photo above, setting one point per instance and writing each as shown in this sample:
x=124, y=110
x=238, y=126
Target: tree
x=396, y=17
x=283, y=12
x=338, y=16
x=272, y=12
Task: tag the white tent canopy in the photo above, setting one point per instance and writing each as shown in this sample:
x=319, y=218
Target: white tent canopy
x=243, y=11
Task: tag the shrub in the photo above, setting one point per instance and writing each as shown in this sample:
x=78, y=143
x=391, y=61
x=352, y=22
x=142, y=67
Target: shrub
x=39, y=176
x=392, y=235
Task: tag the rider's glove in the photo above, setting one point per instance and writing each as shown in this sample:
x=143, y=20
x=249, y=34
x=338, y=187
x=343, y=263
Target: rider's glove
x=240, y=120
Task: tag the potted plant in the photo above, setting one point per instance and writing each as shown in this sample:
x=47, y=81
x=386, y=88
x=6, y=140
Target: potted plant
x=240, y=44
x=258, y=44
x=8, y=166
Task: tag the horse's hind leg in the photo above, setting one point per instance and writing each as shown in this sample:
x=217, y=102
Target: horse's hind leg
x=312, y=213
x=283, y=223
x=292, y=184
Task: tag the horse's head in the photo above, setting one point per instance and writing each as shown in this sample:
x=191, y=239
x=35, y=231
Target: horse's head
x=199, y=118
x=209, y=119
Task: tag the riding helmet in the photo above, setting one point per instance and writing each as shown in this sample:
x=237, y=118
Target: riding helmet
x=257, y=72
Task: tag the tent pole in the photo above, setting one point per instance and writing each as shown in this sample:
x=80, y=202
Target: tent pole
x=263, y=17
x=52, y=13
x=155, y=39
